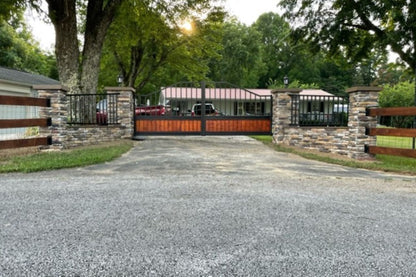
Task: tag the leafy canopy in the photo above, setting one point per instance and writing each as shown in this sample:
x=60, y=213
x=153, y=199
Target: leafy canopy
x=354, y=27
x=18, y=49
x=146, y=43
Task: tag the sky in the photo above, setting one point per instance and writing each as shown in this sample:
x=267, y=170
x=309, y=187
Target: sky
x=246, y=11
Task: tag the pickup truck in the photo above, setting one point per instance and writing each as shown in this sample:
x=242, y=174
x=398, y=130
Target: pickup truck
x=209, y=110
x=151, y=110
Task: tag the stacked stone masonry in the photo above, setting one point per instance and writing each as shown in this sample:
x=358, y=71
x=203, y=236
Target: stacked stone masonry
x=348, y=141
x=66, y=136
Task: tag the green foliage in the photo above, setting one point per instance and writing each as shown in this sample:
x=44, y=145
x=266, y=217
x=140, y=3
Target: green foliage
x=399, y=95
x=277, y=48
x=274, y=84
x=286, y=56
x=9, y=9
x=355, y=28
x=391, y=74
x=151, y=49
x=19, y=50
x=241, y=60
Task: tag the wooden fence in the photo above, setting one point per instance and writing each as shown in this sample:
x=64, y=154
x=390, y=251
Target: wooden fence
x=23, y=123
x=395, y=132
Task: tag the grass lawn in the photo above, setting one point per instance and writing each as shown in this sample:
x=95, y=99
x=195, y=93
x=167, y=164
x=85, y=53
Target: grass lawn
x=382, y=162
x=84, y=156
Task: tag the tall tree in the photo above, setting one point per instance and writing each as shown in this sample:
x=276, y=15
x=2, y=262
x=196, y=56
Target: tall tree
x=79, y=69
x=355, y=27
x=276, y=46
x=241, y=60
x=19, y=50
x=143, y=42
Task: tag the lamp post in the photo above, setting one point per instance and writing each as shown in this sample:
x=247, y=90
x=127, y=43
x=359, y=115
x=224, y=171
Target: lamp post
x=120, y=79
x=286, y=81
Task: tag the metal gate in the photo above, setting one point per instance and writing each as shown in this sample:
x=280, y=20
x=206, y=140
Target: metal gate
x=205, y=108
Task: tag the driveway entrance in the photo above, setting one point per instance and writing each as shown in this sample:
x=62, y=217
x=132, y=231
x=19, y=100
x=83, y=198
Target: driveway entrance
x=213, y=108
x=207, y=206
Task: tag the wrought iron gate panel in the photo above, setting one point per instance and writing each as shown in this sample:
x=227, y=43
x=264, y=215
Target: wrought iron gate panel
x=206, y=108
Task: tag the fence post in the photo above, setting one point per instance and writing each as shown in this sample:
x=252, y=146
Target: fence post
x=282, y=105
x=58, y=112
x=360, y=99
x=125, y=109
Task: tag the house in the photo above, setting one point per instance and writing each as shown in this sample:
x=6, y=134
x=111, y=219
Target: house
x=241, y=102
x=19, y=83
x=228, y=101
x=318, y=107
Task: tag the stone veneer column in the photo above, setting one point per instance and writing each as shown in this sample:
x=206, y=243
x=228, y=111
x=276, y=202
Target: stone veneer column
x=282, y=104
x=125, y=109
x=58, y=112
x=360, y=99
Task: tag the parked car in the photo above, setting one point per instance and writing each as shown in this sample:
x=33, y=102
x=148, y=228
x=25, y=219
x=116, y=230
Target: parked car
x=101, y=112
x=209, y=110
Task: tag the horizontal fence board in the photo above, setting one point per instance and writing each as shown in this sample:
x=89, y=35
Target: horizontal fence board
x=397, y=132
x=24, y=101
x=213, y=125
x=19, y=123
x=17, y=143
x=410, y=153
x=400, y=111
x=168, y=125
x=238, y=125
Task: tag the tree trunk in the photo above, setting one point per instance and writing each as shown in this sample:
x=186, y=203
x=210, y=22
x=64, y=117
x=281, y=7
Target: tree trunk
x=63, y=16
x=98, y=22
x=80, y=72
x=81, y=78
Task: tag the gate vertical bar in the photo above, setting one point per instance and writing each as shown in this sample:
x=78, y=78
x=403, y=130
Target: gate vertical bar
x=203, y=108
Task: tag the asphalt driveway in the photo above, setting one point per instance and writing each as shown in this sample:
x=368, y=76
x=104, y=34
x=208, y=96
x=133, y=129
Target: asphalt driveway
x=207, y=206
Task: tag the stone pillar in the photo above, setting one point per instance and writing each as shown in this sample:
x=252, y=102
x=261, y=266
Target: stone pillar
x=125, y=109
x=58, y=112
x=361, y=98
x=282, y=111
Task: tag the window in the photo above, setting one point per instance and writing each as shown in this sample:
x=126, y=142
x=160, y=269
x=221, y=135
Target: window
x=254, y=108
x=315, y=106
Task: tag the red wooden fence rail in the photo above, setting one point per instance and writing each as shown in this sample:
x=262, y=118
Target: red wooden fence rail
x=19, y=123
x=397, y=132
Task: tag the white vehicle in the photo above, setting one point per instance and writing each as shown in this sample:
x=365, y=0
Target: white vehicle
x=209, y=110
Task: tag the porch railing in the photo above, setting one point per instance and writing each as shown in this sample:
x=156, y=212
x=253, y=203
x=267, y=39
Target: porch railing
x=316, y=110
x=95, y=109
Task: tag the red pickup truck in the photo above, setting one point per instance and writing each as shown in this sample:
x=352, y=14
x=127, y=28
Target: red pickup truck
x=151, y=110
x=157, y=110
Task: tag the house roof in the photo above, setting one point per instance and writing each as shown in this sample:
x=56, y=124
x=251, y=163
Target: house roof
x=229, y=93
x=213, y=93
x=24, y=78
x=315, y=92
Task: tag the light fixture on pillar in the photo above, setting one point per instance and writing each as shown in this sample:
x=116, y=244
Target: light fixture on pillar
x=286, y=81
x=120, y=79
